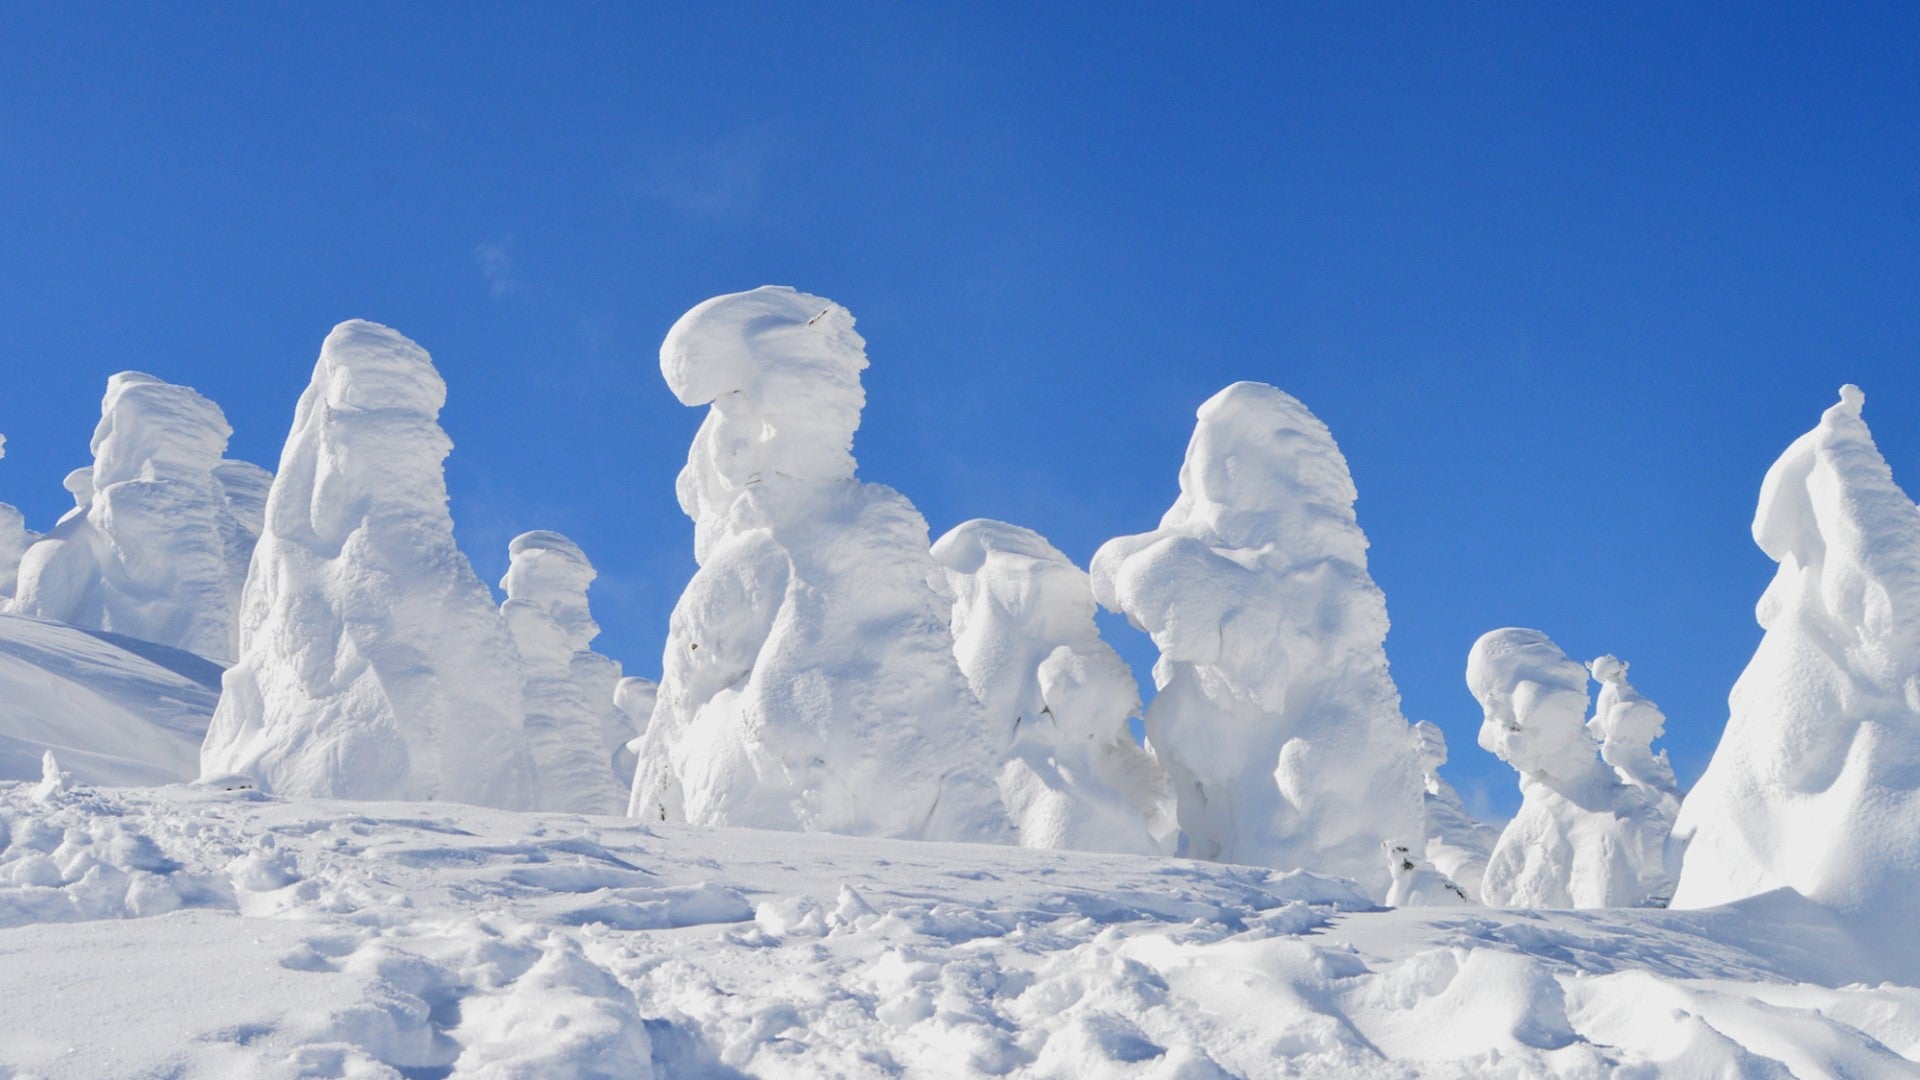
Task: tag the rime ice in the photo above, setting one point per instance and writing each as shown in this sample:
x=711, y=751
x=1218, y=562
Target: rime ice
x=373, y=663
x=809, y=680
x=1277, y=721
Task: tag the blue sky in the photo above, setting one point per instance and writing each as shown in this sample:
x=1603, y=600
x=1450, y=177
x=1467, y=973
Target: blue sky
x=1563, y=280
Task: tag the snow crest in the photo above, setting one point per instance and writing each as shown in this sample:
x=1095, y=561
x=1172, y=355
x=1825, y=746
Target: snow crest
x=809, y=677
x=1277, y=720
x=1586, y=834
x=1058, y=697
x=158, y=542
x=574, y=726
x=373, y=663
x=1816, y=783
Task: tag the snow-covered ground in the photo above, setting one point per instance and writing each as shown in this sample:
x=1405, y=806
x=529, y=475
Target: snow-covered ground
x=191, y=931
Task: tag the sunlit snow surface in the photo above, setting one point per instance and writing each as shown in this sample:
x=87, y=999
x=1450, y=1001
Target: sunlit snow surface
x=195, y=932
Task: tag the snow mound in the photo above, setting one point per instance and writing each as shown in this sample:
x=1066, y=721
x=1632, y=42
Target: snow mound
x=809, y=678
x=1276, y=718
x=1585, y=835
x=1816, y=783
x=115, y=710
x=373, y=663
x=1058, y=699
x=156, y=546
x=573, y=723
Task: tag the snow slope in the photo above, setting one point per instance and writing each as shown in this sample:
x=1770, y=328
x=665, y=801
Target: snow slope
x=193, y=932
x=114, y=710
x=1816, y=783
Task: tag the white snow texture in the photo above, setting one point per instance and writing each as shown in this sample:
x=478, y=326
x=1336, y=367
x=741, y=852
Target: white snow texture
x=1586, y=835
x=1058, y=699
x=574, y=726
x=373, y=663
x=1276, y=718
x=1816, y=783
x=809, y=675
x=159, y=539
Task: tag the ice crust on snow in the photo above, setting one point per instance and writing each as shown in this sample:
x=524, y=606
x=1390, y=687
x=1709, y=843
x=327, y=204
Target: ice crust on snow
x=575, y=727
x=157, y=545
x=1585, y=835
x=1058, y=699
x=1276, y=718
x=809, y=676
x=373, y=663
x=1816, y=783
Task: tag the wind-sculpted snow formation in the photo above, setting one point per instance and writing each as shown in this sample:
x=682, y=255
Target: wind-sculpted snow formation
x=1458, y=846
x=1058, y=699
x=810, y=681
x=1277, y=721
x=1586, y=835
x=14, y=540
x=158, y=542
x=1816, y=783
x=574, y=727
x=373, y=663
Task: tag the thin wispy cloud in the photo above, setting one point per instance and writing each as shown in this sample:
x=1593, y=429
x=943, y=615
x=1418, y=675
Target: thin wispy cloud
x=494, y=258
x=722, y=180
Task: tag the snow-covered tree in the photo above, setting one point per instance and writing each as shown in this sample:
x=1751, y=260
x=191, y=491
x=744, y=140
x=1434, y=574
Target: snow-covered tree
x=1816, y=783
x=809, y=678
x=574, y=727
x=1585, y=836
x=373, y=663
x=1058, y=698
x=1458, y=846
x=158, y=542
x=1277, y=721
